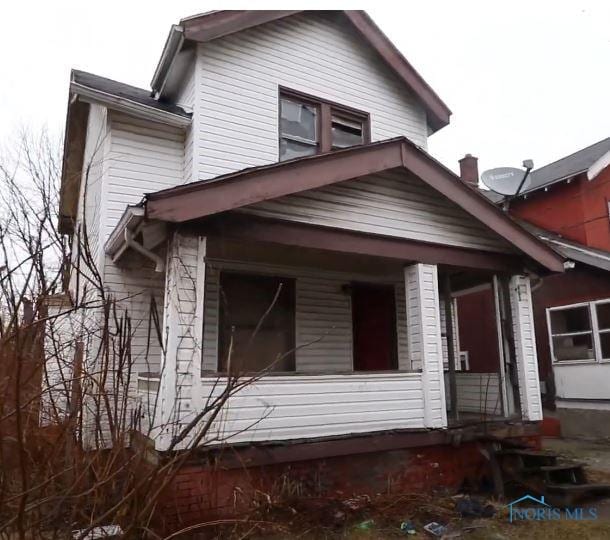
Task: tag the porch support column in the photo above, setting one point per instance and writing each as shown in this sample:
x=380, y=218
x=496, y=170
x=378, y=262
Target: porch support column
x=525, y=347
x=424, y=339
x=182, y=326
x=448, y=304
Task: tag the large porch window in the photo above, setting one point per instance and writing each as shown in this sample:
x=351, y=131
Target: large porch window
x=256, y=323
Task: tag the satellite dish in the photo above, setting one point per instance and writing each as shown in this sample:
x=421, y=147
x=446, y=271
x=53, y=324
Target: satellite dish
x=506, y=180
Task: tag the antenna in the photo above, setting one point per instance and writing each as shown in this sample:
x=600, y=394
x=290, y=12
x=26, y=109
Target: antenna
x=508, y=181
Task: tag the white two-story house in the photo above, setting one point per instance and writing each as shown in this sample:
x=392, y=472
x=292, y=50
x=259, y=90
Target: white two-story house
x=272, y=196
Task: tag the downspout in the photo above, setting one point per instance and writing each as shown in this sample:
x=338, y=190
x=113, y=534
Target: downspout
x=136, y=246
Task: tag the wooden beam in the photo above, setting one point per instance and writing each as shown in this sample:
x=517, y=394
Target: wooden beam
x=228, y=192
x=343, y=241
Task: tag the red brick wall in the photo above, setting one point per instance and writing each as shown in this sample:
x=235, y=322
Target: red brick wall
x=200, y=493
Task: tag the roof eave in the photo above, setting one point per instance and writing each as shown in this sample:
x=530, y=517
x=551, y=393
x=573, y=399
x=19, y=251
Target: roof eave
x=172, y=47
x=202, y=199
x=122, y=104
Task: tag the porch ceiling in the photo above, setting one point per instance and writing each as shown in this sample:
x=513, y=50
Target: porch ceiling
x=202, y=199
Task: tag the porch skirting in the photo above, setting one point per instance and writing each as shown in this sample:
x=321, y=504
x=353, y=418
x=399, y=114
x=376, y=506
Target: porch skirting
x=224, y=483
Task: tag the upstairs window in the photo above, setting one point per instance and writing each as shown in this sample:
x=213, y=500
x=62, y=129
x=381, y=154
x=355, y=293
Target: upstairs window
x=310, y=126
x=298, y=129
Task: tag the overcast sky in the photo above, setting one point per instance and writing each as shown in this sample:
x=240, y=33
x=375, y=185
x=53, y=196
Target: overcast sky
x=524, y=79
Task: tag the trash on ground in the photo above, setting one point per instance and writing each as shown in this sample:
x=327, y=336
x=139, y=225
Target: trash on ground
x=366, y=525
x=408, y=527
x=435, y=529
x=355, y=503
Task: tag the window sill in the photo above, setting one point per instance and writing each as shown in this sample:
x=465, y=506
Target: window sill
x=577, y=362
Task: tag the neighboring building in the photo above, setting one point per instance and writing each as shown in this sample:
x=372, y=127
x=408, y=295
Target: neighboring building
x=285, y=151
x=566, y=204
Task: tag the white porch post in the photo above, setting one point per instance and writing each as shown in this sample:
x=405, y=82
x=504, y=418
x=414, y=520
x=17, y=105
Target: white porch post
x=424, y=339
x=525, y=347
x=182, y=335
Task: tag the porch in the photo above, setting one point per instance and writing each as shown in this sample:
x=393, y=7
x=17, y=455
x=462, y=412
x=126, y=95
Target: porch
x=329, y=382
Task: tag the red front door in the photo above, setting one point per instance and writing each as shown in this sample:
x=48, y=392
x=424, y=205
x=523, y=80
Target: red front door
x=374, y=317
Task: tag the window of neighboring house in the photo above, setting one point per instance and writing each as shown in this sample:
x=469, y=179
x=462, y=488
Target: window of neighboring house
x=309, y=126
x=581, y=332
x=257, y=329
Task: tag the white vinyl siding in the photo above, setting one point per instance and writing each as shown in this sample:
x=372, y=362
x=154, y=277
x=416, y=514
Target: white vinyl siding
x=392, y=204
x=236, y=114
x=525, y=347
x=424, y=333
x=144, y=157
x=296, y=407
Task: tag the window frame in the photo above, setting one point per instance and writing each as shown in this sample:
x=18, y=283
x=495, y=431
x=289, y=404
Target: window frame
x=595, y=332
x=220, y=369
x=325, y=109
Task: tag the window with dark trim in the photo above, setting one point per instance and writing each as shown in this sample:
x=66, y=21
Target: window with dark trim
x=257, y=315
x=308, y=125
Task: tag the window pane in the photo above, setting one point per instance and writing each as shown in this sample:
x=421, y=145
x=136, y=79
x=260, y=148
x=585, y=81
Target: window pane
x=570, y=320
x=604, y=340
x=603, y=316
x=298, y=120
x=244, y=300
x=573, y=347
x=292, y=149
x=346, y=132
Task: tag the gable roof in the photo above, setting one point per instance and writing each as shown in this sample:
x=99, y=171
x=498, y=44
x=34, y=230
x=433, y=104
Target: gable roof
x=216, y=24
x=228, y=192
x=563, y=169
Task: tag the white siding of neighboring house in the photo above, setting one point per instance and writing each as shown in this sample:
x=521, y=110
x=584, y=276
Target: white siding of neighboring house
x=584, y=381
x=236, y=112
x=391, y=204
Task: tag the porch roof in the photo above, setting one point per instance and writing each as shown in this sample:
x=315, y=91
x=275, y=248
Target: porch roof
x=202, y=199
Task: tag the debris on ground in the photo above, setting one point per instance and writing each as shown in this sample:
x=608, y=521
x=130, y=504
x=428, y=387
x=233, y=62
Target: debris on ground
x=435, y=529
x=408, y=527
x=474, y=508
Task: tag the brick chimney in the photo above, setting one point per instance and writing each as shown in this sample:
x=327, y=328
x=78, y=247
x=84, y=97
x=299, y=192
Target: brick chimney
x=469, y=170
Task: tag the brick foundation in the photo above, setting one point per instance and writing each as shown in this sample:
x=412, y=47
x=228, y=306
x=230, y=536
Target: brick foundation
x=204, y=492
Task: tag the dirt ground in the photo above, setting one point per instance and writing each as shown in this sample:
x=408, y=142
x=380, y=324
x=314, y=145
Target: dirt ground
x=381, y=517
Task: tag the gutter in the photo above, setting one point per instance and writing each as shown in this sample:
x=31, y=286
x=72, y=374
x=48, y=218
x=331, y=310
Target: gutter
x=129, y=106
x=172, y=47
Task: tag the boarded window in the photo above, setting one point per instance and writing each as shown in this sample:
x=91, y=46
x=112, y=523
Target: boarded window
x=256, y=323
